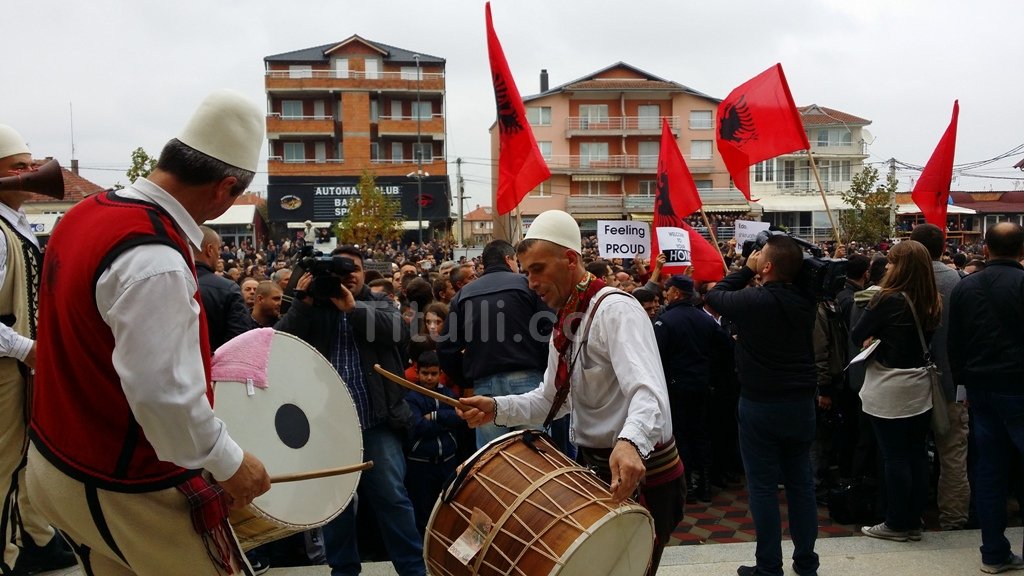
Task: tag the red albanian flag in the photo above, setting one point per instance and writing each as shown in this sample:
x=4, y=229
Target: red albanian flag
x=521, y=166
x=931, y=193
x=677, y=198
x=758, y=121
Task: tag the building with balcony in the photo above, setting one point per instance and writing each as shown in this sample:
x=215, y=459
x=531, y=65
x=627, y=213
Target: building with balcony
x=785, y=188
x=601, y=135
x=337, y=110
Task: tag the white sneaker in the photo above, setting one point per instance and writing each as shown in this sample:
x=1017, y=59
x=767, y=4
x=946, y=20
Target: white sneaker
x=1014, y=562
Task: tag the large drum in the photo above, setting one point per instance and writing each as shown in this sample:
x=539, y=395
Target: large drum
x=303, y=420
x=519, y=506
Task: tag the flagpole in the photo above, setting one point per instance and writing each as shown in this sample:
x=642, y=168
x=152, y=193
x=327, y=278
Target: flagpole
x=714, y=239
x=821, y=189
x=519, y=225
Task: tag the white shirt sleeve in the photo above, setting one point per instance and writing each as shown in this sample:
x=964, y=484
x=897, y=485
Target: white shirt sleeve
x=147, y=299
x=12, y=344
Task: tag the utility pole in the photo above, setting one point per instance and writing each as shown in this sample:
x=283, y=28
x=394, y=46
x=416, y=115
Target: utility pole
x=459, y=191
x=892, y=198
x=419, y=156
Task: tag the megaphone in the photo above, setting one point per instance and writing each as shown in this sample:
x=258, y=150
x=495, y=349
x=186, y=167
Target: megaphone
x=47, y=179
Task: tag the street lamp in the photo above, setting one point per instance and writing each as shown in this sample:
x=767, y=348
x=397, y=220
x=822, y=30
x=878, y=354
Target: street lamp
x=419, y=156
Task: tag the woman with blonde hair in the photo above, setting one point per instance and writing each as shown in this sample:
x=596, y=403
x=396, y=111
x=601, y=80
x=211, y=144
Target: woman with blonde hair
x=897, y=403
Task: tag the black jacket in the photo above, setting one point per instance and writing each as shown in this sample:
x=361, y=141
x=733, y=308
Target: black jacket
x=775, y=325
x=691, y=344
x=378, y=330
x=495, y=324
x=226, y=313
x=891, y=321
x=986, y=328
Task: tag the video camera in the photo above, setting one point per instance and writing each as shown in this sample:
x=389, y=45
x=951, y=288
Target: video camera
x=327, y=272
x=820, y=276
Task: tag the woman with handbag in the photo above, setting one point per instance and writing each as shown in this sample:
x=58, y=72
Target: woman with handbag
x=897, y=391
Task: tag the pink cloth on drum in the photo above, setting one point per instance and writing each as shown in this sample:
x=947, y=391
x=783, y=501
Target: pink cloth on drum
x=244, y=358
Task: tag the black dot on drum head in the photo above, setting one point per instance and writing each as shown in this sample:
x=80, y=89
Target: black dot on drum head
x=292, y=426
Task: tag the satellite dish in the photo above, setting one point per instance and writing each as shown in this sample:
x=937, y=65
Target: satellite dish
x=867, y=136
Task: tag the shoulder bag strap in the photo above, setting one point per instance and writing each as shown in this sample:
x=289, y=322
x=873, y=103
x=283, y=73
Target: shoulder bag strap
x=920, y=334
x=559, y=400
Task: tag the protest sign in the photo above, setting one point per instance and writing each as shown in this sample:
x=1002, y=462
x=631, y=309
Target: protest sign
x=675, y=245
x=623, y=239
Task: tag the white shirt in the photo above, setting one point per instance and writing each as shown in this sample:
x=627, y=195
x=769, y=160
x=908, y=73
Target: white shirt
x=11, y=343
x=618, y=385
x=147, y=297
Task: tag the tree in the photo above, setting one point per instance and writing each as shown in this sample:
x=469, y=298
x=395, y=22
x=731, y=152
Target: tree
x=868, y=220
x=142, y=165
x=371, y=217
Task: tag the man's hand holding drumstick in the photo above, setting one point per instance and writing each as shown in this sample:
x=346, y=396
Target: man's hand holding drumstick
x=480, y=410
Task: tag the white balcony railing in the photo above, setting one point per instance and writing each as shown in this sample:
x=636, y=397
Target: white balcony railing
x=354, y=75
x=619, y=123
x=430, y=160
x=280, y=116
x=616, y=162
x=306, y=160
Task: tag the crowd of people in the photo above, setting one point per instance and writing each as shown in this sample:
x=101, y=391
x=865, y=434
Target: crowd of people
x=668, y=388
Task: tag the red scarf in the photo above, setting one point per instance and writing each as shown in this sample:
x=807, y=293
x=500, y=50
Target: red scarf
x=565, y=331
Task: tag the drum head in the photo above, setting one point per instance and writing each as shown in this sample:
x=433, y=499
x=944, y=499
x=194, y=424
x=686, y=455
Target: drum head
x=303, y=421
x=618, y=545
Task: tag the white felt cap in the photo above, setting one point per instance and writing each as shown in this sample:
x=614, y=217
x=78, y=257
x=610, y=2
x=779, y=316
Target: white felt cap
x=11, y=142
x=228, y=127
x=558, y=227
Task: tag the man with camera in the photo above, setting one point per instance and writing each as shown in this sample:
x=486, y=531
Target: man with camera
x=775, y=365
x=354, y=329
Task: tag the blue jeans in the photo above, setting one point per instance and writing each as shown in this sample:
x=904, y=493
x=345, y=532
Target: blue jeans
x=775, y=442
x=902, y=442
x=503, y=384
x=997, y=424
x=383, y=488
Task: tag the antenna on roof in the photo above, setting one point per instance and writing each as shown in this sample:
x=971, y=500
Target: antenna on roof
x=71, y=111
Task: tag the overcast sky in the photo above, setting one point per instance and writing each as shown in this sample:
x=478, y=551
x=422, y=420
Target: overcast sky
x=134, y=71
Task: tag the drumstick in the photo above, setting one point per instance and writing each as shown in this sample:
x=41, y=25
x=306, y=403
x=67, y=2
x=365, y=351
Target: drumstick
x=296, y=476
x=426, y=392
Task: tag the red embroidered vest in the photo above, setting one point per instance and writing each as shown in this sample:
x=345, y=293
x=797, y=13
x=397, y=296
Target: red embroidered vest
x=81, y=420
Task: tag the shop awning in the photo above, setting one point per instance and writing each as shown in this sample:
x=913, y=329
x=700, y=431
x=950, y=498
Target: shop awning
x=597, y=216
x=808, y=203
x=414, y=225
x=237, y=215
x=950, y=209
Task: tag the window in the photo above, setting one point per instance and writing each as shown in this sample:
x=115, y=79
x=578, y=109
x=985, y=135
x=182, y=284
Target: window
x=765, y=171
x=543, y=190
x=648, y=117
x=835, y=137
x=318, y=109
x=374, y=112
x=341, y=68
x=297, y=71
x=374, y=151
x=788, y=174
x=593, y=152
x=397, y=152
x=341, y=152
x=291, y=109
x=410, y=73
x=424, y=151
x=700, y=150
x=647, y=188
x=396, y=109
x=593, y=188
x=422, y=110
x=593, y=114
x=649, y=154
x=372, y=69
x=539, y=115
x=545, y=148
x=294, y=152
x=701, y=119
x=835, y=171
x=320, y=152
x=704, y=184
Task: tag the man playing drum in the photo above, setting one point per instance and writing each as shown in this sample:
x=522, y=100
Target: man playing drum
x=123, y=426
x=604, y=358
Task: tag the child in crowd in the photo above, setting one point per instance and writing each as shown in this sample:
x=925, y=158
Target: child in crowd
x=432, y=445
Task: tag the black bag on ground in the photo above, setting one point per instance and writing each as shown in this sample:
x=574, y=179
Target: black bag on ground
x=853, y=504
